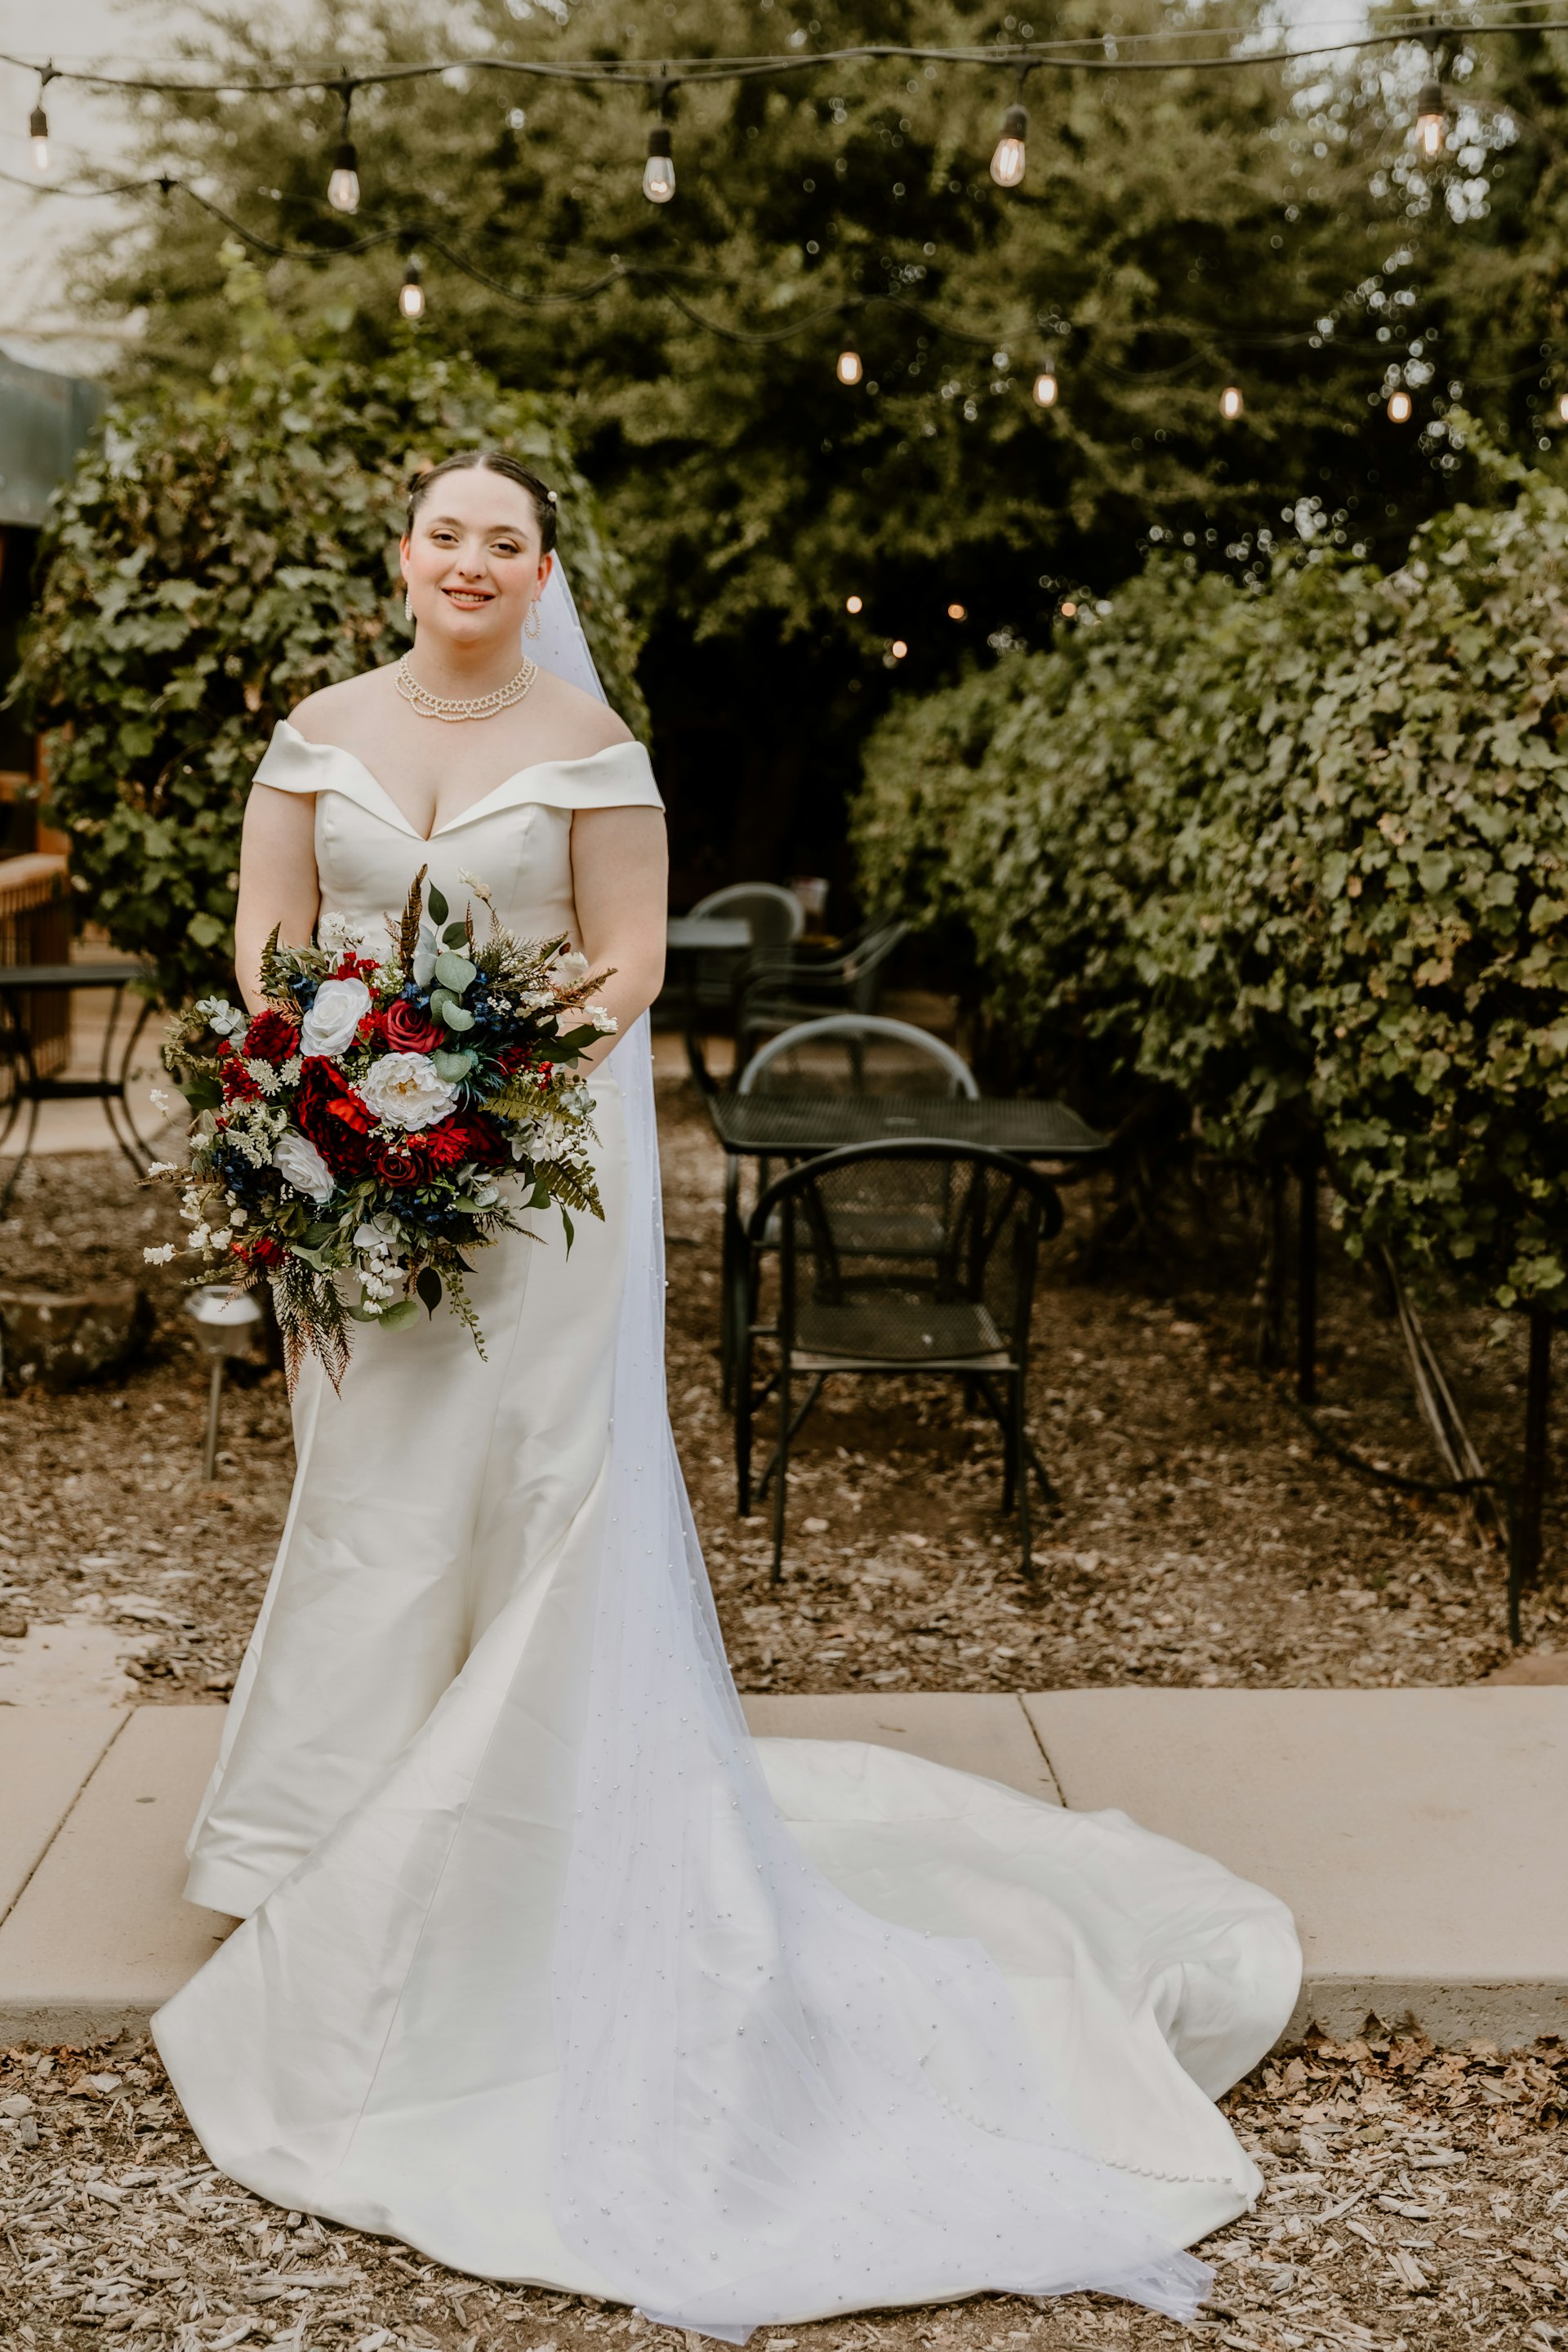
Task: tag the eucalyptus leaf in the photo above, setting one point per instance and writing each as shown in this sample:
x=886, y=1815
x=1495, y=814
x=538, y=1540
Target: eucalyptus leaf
x=454, y=971
x=456, y=935
x=453, y=1063
x=399, y=1315
x=438, y=905
x=457, y=1017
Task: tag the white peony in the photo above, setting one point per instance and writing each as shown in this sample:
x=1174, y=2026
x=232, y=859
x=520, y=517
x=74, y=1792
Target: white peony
x=404, y=1089
x=329, y=1026
x=300, y=1164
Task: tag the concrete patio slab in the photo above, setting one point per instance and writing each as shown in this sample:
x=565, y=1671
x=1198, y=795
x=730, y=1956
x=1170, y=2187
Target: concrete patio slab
x=101, y=1935
x=1418, y=1836
x=46, y=1754
x=985, y=1732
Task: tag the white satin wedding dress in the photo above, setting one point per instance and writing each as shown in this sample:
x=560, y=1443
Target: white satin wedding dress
x=545, y=1967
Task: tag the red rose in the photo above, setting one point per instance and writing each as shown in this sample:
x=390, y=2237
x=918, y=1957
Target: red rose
x=273, y=1037
x=395, y=1162
x=407, y=1030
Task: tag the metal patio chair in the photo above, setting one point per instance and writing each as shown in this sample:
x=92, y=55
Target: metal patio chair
x=846, y=1053
x=953, y=1297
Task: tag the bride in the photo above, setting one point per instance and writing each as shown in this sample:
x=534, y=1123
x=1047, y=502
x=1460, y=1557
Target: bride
x=545, y=1966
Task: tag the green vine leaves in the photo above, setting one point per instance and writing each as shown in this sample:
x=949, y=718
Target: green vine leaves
x=1300, y=855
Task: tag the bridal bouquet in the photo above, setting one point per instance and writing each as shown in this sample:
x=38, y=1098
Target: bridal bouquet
x=385, y=1113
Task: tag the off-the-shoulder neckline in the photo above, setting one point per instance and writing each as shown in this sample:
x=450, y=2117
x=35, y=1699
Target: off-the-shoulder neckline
x=533, y=767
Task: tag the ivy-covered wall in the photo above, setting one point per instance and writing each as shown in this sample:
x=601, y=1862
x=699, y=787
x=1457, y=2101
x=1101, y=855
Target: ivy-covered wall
x=1301, y=855
x=216, y=558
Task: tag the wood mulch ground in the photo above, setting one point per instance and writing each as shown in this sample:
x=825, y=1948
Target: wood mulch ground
x=1417, y=2200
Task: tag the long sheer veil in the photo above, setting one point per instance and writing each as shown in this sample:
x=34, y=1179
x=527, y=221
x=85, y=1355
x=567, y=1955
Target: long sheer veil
x=772, y=2103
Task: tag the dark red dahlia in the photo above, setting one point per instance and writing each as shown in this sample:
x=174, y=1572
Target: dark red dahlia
x=236, y=1080
x=465, y=1136
x=273, y=1037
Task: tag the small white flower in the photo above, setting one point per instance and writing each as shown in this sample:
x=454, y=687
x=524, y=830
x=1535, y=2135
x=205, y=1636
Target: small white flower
x=341, y=935
x=424, y=956
x=376, y=1234
x=568, y=969
x=603, y=1019
x=265, y=1077
x=301, y=1165
x=223, y=1016
x=328, y=1028
x=238, y=1217
x=161, y=1254
x=163, y=1167
x=198, y=1238
x=403, y=1091
x=160, y=1099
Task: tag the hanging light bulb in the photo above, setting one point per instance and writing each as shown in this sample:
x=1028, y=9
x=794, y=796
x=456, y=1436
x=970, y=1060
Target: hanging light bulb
x=854, y=604
x=411, y=293
x=1429, y=119
x=1008, y=162
x=1045, y=389
x=343, y=188
x=1230, y=403
x=850, y=369
x=1399, y=408
x=1563, y=408
x=38, y=132
x=658, y=171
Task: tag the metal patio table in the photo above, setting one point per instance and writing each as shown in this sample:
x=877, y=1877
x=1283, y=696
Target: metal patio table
x=27, y=1091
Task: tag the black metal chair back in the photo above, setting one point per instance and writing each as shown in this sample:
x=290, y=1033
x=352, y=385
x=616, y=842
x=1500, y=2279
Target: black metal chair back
x=902, y=1257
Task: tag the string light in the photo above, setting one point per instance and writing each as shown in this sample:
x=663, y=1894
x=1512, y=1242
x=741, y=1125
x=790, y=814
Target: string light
x=958, y=612
x=411, y=293
x=1008, y=162
x=898, y=649
x=1070, y=610
x=850, y=370
x=39, y=123
x=1399, y=408
x=1562, y=407
x=1045, y=389
x=1429, y=119
x=1231, y=403
x=342, y=187
x=853, y=604
x=658, y=171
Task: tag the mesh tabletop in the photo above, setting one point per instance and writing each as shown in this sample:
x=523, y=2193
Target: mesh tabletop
x=791, y=1126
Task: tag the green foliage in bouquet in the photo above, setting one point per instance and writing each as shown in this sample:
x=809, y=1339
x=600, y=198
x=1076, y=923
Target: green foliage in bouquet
x=221, y=554
x=1299, y=853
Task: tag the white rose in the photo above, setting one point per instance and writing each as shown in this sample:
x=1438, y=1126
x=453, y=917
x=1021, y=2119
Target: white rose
x=404, y=1089
x=329, y=1026
x=300, y=1164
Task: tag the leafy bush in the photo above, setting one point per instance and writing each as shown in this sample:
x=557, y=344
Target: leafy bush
x=217, y=558
x=1303, y=855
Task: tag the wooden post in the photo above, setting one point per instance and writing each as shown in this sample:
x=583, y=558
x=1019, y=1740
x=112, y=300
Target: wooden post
x=1307, y=1276
x=1532, y=1485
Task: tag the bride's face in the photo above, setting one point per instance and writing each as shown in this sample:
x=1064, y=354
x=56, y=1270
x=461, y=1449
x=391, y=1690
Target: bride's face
x=473, y=561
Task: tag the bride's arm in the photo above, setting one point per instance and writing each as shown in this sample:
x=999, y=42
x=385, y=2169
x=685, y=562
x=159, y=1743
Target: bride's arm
x=278, y=882
x=620, y=879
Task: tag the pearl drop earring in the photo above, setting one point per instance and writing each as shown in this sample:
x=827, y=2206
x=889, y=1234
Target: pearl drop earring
x=407, y=603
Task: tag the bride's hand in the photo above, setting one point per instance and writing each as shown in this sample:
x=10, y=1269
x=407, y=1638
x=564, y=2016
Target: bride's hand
x=620, y=880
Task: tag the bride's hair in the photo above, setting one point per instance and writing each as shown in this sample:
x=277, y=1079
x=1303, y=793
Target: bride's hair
x=490, y=461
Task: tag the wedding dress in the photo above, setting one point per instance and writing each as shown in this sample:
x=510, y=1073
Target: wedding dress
x=545, y=1967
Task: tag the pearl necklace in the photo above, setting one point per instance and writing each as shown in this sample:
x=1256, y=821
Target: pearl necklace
x=483, y=705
